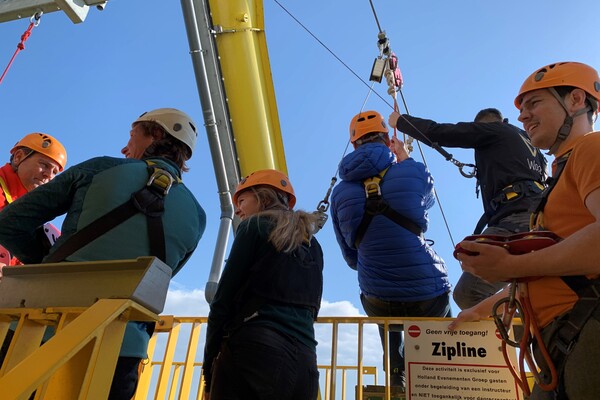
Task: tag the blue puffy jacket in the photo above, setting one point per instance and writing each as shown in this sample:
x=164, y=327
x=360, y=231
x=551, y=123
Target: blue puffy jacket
x=393, y=264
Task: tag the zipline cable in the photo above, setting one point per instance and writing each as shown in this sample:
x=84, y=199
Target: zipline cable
x=324, y=204
x=395, y=81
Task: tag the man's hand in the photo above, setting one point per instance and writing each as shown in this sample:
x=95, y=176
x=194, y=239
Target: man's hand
x=491, y=263
x=393, y=119
x=2, y=265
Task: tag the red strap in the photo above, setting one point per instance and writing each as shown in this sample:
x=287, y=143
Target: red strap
x=20, y=47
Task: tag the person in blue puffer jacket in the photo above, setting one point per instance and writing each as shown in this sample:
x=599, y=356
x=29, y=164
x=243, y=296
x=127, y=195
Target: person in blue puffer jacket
x=399, y=274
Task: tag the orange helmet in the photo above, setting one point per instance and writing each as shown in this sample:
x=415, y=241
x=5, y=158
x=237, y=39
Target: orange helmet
x=574, y=74
x=366, y=122
x=44, y=144
x=267, y=177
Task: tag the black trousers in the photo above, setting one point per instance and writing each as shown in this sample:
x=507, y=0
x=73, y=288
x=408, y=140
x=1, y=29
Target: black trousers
x=259, y=363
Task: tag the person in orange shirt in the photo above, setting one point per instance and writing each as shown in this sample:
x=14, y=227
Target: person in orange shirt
x=558, y=105
x=34, y=160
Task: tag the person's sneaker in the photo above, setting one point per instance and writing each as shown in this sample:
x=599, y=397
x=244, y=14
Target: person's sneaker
x=397, y=378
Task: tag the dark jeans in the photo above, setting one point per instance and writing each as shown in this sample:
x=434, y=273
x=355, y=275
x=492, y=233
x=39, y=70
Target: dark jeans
x=259, y=363
x=436, y=307
x=125, y=379
x=471, y=290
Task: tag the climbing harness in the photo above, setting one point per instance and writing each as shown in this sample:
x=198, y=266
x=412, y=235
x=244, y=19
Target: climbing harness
x=505, y=309
x=33, y=22
x=375, y=204
x=149, y=201
x=508, y=194
x=587, y=290
x=503, y=322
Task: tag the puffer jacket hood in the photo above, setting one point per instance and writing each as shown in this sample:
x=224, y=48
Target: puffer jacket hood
x=367, y=161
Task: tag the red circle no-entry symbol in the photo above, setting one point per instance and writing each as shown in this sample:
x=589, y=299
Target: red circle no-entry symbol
x=414, y=331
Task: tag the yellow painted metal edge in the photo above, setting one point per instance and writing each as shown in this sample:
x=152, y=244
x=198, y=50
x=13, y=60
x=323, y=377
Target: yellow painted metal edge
x=246, y=69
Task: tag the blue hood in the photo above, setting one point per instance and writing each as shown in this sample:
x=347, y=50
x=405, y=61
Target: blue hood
x=366, y=161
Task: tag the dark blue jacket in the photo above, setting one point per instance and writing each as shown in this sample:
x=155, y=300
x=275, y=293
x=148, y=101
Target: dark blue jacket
x=393, y=264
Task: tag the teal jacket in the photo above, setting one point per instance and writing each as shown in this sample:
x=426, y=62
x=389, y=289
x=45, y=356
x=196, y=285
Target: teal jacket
x=89, y=190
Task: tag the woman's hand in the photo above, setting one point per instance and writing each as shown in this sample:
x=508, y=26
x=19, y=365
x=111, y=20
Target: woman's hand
x=397, y=147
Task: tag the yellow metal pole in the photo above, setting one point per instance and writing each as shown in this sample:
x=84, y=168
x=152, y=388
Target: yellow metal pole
x=245, y=65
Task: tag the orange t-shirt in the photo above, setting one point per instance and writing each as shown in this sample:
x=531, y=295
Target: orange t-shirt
x=564, y=214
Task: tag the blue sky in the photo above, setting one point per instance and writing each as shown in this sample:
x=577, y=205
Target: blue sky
x=86, y=83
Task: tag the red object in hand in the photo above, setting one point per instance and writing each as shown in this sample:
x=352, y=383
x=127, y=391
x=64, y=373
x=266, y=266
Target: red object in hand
x=516, y=244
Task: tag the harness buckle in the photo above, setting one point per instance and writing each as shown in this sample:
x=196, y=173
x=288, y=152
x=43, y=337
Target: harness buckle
x=160, y=180
x=562, y=345
x=372, y=188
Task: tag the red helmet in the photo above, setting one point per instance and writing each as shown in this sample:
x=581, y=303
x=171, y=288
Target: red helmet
x=267, y=177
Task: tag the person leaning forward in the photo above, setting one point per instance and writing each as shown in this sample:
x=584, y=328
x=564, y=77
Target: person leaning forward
x=162, y=138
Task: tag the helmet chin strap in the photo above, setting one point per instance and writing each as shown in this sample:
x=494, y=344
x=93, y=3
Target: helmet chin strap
x=565, y=129
x=27, y=151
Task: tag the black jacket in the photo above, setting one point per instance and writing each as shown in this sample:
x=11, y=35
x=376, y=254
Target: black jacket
x=503, y=156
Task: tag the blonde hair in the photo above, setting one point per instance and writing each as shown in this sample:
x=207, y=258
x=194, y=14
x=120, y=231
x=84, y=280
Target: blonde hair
x=291, y=228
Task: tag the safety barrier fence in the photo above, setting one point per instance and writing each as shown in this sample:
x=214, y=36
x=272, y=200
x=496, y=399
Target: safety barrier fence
x=77, y=363
x=88, y=310
x=173, y=370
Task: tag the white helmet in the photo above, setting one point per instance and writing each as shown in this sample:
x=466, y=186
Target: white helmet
x=177, y=123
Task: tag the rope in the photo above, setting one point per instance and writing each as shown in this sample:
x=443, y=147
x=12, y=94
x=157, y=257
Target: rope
x=395, y=82
x=324, y=204
x=34, y=21
x=503, y=322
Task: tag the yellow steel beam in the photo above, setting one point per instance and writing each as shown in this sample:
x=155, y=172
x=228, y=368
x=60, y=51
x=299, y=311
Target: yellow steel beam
x=91, y=342
x=246, y=69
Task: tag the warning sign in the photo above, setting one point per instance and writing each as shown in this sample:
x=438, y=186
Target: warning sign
x=465, y=364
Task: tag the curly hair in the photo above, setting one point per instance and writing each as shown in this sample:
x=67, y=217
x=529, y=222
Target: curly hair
x=165, y=145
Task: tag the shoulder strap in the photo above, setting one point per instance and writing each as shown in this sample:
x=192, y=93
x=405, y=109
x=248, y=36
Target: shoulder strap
x=149, y=200
x=7, y=195
x=561, y=163
x=376, y=204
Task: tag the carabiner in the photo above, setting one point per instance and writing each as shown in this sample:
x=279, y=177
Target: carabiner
x=35, y=18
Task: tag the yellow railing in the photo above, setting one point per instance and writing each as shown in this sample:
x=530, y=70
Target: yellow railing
x=173, y=369
x=77, y=362
x=89, y=308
